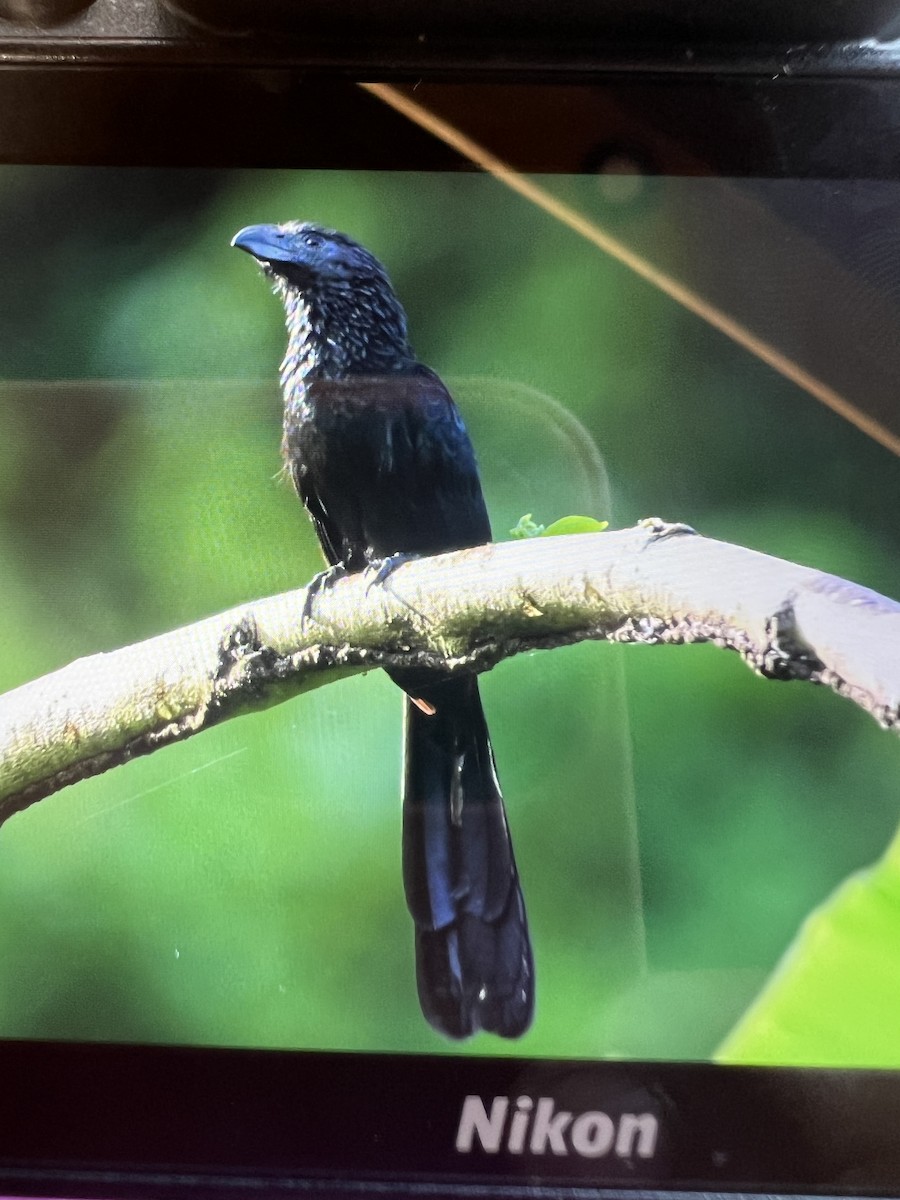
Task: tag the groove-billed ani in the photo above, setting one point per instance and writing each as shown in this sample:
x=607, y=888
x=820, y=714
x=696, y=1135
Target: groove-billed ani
x=381, y=458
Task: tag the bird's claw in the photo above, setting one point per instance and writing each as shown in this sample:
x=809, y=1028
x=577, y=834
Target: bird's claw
x=377, y=572
x=662, y=529
x=320, y=583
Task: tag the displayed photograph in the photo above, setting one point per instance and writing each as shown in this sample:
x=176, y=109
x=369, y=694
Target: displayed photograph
x=219, y=387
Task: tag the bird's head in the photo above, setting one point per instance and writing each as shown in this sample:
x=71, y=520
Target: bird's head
x=304, y=256
x=341, y=312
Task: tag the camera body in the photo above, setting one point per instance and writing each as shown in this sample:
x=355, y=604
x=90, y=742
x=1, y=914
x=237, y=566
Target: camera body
x=731, y=175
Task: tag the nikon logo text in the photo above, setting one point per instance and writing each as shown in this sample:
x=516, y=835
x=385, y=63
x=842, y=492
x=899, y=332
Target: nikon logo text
x=538, y=1126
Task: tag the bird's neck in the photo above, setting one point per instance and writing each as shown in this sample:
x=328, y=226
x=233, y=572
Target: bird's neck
x=340, y=333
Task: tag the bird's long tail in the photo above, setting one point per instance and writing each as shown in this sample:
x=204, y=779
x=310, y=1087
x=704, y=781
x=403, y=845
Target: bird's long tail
x=473, y=956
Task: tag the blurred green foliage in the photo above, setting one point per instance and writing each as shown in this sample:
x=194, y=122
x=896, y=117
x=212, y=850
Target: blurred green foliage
x=675, y=818
x=831, y=999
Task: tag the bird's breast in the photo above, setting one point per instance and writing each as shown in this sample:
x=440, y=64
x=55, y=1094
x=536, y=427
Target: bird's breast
x=374, y=395
x=385, y=465
x=375, y=422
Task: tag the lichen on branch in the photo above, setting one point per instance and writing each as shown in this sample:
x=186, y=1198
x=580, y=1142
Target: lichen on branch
x=464, y=611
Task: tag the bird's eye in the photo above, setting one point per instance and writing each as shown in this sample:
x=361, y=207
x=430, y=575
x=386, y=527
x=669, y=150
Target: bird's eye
x=313, y=240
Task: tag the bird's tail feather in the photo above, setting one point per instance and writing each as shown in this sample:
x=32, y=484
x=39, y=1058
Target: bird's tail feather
x=473, y=955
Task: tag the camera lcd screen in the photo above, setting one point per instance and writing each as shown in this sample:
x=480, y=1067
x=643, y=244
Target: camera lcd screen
x=707, y=858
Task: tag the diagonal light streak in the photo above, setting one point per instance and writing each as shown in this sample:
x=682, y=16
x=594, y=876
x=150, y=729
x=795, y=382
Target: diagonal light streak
x=158, y=787
x=667, y=284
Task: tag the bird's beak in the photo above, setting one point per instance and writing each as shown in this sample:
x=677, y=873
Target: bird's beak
x=267, y=243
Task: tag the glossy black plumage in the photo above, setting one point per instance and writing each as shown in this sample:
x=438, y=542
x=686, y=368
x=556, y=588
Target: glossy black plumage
x=382, y=460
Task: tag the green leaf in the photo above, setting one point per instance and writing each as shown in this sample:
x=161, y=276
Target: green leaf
x=526, y=528
x=833, y=1001
x=574, y=525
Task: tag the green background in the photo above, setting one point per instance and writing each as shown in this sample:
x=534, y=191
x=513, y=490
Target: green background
x=675, y=818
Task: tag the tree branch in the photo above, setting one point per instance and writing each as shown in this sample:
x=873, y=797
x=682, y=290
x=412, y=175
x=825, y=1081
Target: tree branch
x=465, y=611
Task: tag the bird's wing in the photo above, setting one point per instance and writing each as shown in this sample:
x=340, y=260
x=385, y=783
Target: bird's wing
x=391, y=469
x=328, y=536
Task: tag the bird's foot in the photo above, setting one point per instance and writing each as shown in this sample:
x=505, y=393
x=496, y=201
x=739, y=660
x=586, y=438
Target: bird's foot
x=663, y=529
x=320, y=583
x=377, y=572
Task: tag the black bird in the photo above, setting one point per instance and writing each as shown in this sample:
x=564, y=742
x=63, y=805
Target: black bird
x=380, y=456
